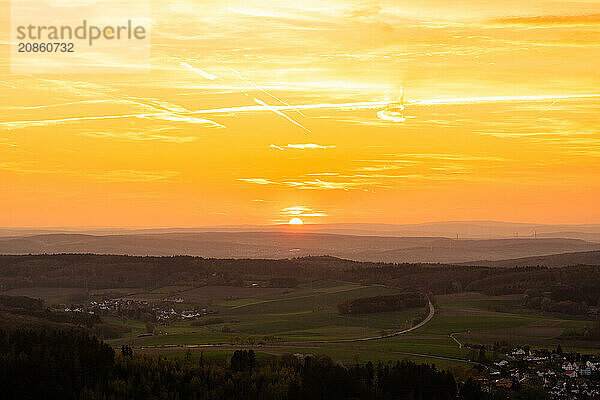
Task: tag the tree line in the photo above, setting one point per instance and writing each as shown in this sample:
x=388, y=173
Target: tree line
x=69, y=364
x=377, y=304
x=577, y=284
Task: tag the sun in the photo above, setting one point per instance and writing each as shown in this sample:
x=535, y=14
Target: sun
x=296, y=221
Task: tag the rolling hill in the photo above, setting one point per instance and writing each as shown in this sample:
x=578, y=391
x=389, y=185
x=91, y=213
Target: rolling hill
x=296, y=244
x=552, y=260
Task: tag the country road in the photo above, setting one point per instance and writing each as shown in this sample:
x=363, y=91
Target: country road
x=312, y=342
x=420, y=324
x=456, y=340
x=285, y=347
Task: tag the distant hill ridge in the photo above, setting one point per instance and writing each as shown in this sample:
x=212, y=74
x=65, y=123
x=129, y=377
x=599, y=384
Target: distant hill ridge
x=277, y=245
x=552, y=260
x=448, y=229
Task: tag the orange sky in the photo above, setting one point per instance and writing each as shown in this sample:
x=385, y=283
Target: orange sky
x=258, y=112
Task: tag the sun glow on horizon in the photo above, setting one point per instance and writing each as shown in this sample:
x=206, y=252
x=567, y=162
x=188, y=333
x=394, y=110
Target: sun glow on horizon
x=296, y=221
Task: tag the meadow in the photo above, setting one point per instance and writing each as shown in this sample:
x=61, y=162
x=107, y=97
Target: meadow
x=305, y=319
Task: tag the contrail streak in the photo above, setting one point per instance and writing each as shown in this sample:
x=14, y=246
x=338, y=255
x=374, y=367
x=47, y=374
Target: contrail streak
x=271, y=108
x=199, y=71
x=162, y=115
x=267, y=93
x=364, y=105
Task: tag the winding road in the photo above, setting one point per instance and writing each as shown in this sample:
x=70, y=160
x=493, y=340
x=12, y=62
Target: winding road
x=402, y=332
x=282, y=348
x=285, y=347
x=312, y=342
x=456, y=340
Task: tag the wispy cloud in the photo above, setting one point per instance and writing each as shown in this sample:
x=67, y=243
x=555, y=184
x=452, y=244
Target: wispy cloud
x=316, y=184
x=453, y=157
x=393, y=116
x=108, y=175
x=303, y=146
x=323, y=174
x=259, y=181
x=184, y=118
x=393, y=112
x=301, y=211
x=500, y=99
x=165, y=116
x=550, y=20
x=143, y=135
x=394, y=170
x=131, y=175
x=58, y=105
x=151, y=108
x=187, y=117
x=58, y=121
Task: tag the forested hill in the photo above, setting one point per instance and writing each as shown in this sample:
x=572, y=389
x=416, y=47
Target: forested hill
x=105, y=271
x=73, y=365
x=576, y=284
x=552, y=260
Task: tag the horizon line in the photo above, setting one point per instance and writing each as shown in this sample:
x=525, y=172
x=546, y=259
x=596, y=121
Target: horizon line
x=284, y=224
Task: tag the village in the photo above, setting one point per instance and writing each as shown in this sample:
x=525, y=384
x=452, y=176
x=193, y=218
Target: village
x=166, y=311
x=571, y=376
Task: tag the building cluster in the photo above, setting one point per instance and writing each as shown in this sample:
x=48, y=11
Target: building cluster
x=564, y=376
x=162, y=312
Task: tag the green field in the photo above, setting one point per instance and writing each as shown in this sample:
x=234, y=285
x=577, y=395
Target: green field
x=306, y=320
x=301, y=315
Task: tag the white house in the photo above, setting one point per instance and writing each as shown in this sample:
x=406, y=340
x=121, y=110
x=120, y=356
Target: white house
x=567, y=366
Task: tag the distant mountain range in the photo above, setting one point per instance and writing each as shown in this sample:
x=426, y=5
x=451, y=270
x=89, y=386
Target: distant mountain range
x=297, y=243
x=462, y=229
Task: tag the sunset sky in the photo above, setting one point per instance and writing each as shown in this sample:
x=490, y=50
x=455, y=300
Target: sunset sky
x=257, y=112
